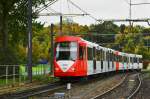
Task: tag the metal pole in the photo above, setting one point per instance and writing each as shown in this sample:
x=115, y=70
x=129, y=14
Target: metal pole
x=30, y=40
x=147, y=46
x=14, y=74
x=149, y=25
x=52, y=47
x=130, y=12
x=60, y=25
x=148, y=22
x=7, y=74
x=130, y=15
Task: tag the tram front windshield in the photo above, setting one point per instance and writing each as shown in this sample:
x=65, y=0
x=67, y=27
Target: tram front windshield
x=66, y=51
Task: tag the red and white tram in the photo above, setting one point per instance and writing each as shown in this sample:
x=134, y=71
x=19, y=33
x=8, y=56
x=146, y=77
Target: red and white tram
x=76, y=57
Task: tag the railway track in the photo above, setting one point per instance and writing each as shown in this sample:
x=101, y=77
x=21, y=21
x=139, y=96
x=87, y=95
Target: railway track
x=36, y=91
x=84, y=90
x=50, y=89
x=136, y=89
x=120, y=92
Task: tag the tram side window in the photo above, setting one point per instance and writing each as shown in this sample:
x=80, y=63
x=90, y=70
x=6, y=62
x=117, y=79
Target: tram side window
x=94, y=52
x=81, y=53
x=104, y=58
x=107, y=56
x=140, y=60
x=117, y=58
x=111, y=56
x=131, y=60
x=90, y=56
x=114, y=57
x=125, y=59
x=120, y=58
x=98, y=55
x=101, y=55
x=134, y=60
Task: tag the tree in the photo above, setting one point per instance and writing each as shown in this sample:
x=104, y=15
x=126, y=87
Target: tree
x=133, y=42
x=105, y=29
x=13, y=25
x=122, y=28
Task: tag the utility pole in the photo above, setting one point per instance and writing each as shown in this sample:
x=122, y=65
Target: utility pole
x=29, y=65
x=61, y=24
x=148, y=45
x=130, y=10
x=130, y=15
x=52, y=47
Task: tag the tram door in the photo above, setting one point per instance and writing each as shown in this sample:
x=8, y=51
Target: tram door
x=94, y=58
x=108, y=59
x=82, y=57
x=102, y=58
x=112, y=57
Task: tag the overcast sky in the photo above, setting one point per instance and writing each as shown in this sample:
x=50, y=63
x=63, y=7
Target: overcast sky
x=100, y=9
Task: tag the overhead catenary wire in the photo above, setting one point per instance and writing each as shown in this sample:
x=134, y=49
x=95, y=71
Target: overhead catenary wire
x=86, y=13
x=82, y=10
x=140, y=3
x=45, y=6
x=55, y=12
x=126, y=1
x=110, y=34
x=130, y=18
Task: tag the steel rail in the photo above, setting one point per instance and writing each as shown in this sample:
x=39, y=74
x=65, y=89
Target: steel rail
x=32, y=92
x=39, y=92
x=104, y=93
x=137, y=89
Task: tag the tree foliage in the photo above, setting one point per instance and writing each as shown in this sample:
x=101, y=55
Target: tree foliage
x=103, y=33
x=133, y=42
x=13, y=26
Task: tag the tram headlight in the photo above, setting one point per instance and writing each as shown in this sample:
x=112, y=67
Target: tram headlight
x=56, y=69
x=73, y=69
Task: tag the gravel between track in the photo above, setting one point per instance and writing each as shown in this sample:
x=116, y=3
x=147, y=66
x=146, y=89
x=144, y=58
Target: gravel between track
x=144, y=92
x=123, y=91
x=88, y=90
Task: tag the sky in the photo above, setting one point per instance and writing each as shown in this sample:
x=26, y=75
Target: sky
x=100, y=9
